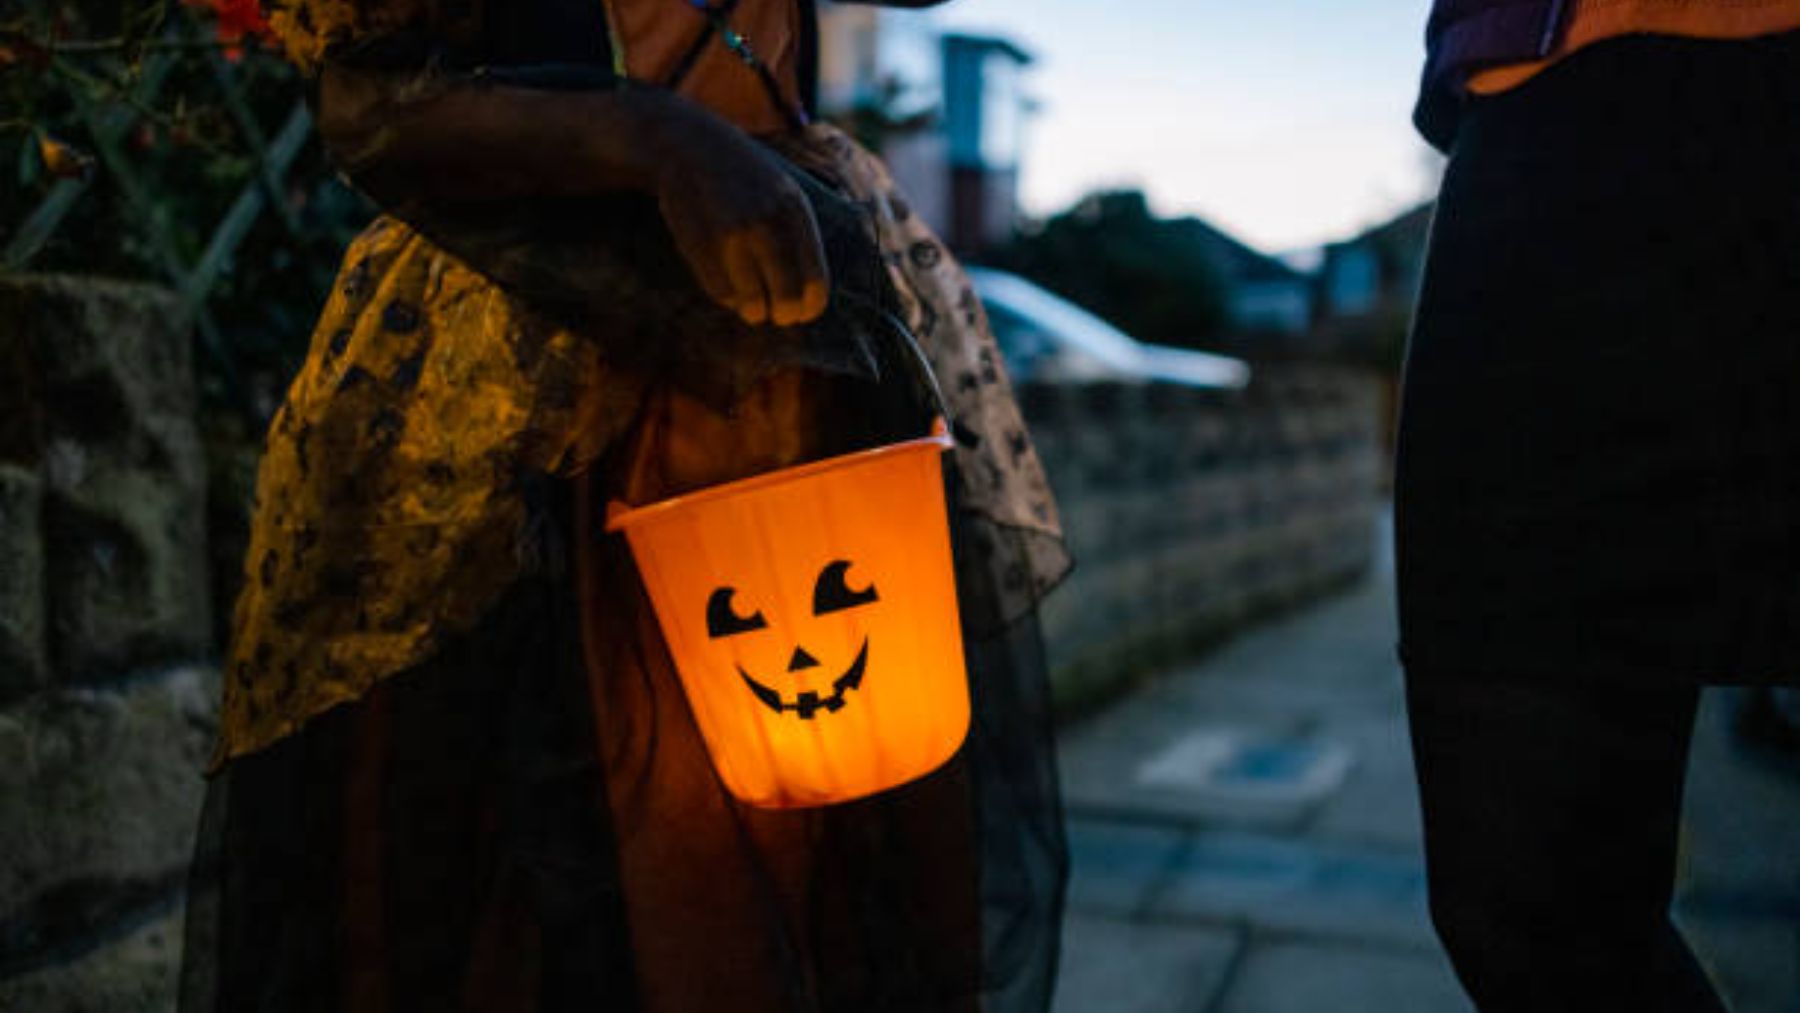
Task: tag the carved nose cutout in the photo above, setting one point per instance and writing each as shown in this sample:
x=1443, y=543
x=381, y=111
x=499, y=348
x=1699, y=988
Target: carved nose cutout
x=801, y=660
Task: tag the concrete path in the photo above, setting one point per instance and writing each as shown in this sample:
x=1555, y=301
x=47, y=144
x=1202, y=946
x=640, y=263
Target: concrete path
x=1246, y=840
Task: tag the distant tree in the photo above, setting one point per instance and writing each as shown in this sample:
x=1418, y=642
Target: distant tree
x=1145, y=274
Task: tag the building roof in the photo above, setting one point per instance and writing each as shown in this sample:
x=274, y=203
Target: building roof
x=995, y=43
x=1236, y=261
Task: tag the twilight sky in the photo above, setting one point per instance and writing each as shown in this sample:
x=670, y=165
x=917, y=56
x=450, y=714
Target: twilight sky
x=1284, y=122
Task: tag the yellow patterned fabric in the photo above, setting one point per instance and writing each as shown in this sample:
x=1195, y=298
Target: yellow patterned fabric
x=388, y=509
x=307, y=28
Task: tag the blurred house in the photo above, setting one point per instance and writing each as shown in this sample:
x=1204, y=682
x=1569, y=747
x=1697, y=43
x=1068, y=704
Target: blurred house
x=946, y=111
x=985, y=108
x=1264, y=297
x=1366, y=287
x=1350, y=301
x=881, y=75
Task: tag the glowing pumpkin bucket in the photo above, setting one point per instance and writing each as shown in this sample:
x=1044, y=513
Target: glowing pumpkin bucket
x=811, y=613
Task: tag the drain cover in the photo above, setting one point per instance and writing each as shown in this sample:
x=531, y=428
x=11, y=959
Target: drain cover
x=1240, y=764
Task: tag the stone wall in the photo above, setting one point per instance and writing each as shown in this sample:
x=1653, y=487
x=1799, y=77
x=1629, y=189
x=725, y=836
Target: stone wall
x=105, y=702
x=1192, y=512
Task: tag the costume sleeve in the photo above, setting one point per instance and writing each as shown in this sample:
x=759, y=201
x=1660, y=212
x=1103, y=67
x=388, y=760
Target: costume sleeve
x=604, y=265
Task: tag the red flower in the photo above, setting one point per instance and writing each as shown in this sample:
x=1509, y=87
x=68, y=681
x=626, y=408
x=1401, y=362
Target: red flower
x=236, y=20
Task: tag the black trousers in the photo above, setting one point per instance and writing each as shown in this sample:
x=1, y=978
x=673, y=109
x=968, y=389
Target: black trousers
x=1552, y=809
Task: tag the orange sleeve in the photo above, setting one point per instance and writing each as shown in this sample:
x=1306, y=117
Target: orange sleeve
x=1591, y=21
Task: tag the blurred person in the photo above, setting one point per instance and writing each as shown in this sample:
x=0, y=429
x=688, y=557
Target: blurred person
x=455, y=766
x=1598, y=491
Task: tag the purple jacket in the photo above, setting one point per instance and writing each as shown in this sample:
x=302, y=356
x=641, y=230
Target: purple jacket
x=1464, y=35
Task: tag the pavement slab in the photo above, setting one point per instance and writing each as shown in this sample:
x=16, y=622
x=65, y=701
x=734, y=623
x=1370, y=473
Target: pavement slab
x=1301, y=886
x=1738, y=895
x=1754, y=962
x=1296, y=977
x=1113, y=966
x=1741, y=831
x=1376, y=806
x=1115, y=866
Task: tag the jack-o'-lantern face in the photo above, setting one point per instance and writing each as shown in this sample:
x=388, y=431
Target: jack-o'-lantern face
x=802, y=691
x=811, y=617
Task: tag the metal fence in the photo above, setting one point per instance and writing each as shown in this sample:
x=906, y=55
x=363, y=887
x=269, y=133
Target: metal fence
x=139, y=76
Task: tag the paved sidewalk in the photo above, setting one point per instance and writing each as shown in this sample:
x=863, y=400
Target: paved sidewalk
x=1246, y=840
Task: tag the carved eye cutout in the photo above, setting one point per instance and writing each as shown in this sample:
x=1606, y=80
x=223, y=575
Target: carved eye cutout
x=721, y=621
x=832, y=594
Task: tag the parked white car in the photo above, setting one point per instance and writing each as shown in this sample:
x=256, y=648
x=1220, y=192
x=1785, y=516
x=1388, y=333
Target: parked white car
x=1046, y=337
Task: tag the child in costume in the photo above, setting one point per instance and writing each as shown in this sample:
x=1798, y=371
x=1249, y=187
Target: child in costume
x=455, y=766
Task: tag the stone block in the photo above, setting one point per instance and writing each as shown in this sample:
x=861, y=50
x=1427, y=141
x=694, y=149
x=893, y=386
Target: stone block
x=107, y=418
x=102, y=788
x=24, y=663
x=1106, y=403
x=128, y=577
x=137, y=973
x=1044, y=405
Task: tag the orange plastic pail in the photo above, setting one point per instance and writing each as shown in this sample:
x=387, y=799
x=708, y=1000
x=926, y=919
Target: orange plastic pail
x=811, y=613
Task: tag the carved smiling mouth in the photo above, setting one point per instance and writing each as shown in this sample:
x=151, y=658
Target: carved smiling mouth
x=810, y=703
